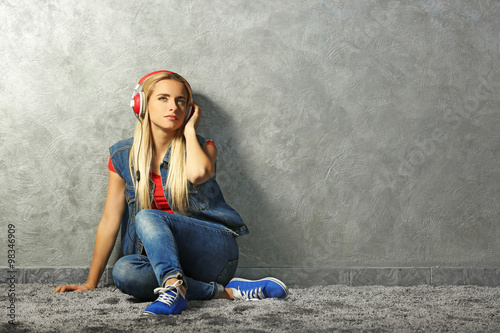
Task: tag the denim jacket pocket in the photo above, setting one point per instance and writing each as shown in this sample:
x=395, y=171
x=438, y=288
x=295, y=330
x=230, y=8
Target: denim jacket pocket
x=197, y=202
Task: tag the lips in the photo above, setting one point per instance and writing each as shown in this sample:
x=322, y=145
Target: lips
x=171, y=117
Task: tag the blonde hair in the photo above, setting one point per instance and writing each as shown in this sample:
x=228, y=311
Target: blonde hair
x=141, y=154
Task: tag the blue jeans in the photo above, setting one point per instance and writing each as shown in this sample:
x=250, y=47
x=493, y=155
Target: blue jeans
x=203, y=254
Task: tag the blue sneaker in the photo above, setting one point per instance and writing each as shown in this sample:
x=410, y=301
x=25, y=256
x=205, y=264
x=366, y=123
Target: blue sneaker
x=259, y=289
x=170, y=302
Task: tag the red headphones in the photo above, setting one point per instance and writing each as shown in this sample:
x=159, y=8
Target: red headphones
x=138, y=102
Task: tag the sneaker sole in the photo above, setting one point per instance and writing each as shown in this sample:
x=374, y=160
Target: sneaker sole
x=281, y=284
x=147, y=313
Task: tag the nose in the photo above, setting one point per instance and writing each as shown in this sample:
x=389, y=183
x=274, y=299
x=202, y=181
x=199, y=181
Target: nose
x=172, y=105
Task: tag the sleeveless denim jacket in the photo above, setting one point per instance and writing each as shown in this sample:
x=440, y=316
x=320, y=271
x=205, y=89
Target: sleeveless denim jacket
x=206, y=201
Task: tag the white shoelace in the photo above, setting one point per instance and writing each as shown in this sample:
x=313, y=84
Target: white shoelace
x=165, y=297
x=248, y=295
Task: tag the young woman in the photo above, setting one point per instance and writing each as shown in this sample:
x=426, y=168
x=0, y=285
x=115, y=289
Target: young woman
x=177, y=232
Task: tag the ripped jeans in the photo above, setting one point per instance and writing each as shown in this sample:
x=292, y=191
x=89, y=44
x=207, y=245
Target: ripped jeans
x=203, y=254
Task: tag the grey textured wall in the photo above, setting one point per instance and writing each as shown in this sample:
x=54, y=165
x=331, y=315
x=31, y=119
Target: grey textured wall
x=350, y=133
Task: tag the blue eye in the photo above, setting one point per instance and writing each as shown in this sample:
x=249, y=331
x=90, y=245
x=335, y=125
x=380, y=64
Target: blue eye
x=162, y=98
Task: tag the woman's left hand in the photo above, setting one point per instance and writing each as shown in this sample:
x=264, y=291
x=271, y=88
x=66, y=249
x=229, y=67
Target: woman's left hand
x=194, y=120
x=200, y=160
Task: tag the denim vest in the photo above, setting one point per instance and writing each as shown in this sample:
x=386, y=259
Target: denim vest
x=206, y=201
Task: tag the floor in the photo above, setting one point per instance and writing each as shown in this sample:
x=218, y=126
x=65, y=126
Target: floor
x=335, y=308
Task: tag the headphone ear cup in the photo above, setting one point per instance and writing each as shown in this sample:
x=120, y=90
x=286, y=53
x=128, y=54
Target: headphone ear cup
x=189, y=112
x=142, y=103
x=135, y=103
x=138, y=104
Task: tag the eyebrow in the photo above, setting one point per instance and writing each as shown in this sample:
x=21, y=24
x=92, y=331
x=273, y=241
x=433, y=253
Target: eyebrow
x=168, y=95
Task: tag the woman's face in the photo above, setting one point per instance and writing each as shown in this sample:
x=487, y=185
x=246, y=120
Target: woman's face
x=167, y=105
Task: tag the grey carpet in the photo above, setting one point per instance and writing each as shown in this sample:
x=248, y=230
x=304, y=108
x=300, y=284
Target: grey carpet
x=317, y=309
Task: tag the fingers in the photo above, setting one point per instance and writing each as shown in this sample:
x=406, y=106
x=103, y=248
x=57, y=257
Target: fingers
x=61, y=289
x=196, y=107
x=68, y=287
x=195, y=119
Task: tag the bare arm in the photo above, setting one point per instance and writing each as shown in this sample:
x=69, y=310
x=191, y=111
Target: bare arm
x=106, y=234
x=200, y=161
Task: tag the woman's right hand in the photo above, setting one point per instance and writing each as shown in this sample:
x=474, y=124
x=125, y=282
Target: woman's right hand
x=73, y=287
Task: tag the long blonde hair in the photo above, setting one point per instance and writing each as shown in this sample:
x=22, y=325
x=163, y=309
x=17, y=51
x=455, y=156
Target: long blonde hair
x=141, y=154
